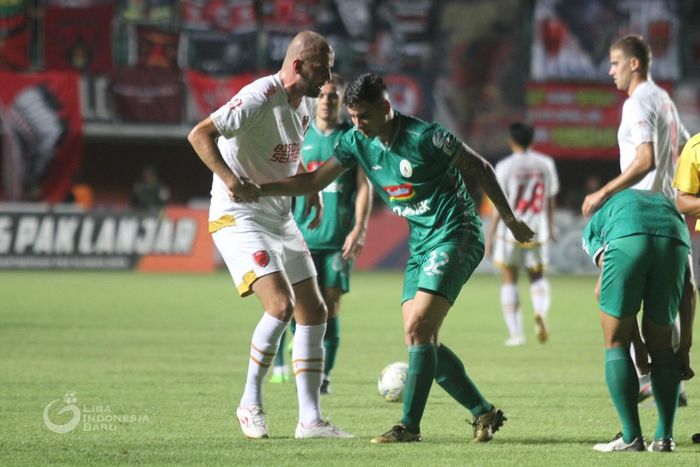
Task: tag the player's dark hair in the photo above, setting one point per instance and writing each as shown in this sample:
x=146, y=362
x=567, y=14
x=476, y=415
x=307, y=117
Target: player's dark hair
x=368, y=87
x=522, y=134
x=634, y=46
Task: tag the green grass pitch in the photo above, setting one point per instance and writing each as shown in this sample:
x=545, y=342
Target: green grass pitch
x=168, y=353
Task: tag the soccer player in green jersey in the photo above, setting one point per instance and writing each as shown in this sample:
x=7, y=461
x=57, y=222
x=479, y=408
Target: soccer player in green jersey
x=641, y=243
x=340, y=236
x=419, y=169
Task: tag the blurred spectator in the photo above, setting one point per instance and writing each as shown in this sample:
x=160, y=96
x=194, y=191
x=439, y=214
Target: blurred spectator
x=81, y=193
x=149, y=192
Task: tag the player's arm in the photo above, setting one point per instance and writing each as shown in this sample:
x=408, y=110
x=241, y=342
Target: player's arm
x=471, y=164
x=550, y=217
x=643, y=163
x=352, y=247
x=491, y=233
x=203, y=140
x=304, y=183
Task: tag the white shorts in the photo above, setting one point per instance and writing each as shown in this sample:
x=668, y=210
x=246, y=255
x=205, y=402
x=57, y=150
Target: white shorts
x=252, y=249
x=510, y=254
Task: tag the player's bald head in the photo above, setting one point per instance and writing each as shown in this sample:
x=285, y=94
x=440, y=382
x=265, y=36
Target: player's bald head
x=309, y=46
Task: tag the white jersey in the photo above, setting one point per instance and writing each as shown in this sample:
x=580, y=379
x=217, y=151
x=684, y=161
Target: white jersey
x=649, y=116
x=261, y=135
x=529, y=180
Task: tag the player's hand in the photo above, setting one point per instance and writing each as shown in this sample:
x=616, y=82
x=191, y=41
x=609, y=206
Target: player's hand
x=314, y=201
x=683, y=356
x=245, y=191
x=592, y=202
x=352, y=247
x=520, y=230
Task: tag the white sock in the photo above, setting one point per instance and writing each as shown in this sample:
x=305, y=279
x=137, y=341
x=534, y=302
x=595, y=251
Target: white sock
x=510, y=305
x=540, y=295
x=263, y=347
x=307, y=361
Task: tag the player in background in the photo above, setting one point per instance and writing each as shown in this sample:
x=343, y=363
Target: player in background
x=339, y=239
x=650, y=137
x=418, y=169
x=256, y=138
x=529, y=180
x=641, y=243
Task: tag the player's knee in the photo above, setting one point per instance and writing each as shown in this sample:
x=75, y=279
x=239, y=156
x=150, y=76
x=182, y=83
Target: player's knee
x=281, y=307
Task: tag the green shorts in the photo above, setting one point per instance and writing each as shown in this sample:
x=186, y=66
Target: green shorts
x=333, y=271
x=445, y=268
x=643, y=269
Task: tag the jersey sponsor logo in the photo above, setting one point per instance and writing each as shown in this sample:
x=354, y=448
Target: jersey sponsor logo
x=261, y=258
x=416, y=209
x=401, y=192
x=286, y=153
x=235, y=104
x=377, y=167
x=405, y=168
x=445, y=141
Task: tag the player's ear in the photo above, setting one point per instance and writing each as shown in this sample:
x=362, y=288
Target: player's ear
x=297, y=65
x=634, y=64
x=386, y=106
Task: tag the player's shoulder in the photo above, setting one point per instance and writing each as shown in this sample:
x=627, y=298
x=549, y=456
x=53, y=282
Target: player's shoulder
x=540, y=157
x=692, y=148
x=262, y=90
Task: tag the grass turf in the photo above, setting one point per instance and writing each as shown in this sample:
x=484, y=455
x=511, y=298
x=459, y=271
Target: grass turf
x=174, y=349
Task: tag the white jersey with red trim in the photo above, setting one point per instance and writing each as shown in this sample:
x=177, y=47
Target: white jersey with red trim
x=650, y=116
x=261, y=136
x=528, y=179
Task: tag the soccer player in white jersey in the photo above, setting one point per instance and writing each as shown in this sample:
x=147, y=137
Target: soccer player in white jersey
x=650, y=137
x=256, y=138
x=529, y=180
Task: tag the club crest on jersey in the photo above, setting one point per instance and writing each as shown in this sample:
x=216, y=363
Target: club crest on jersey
x=235, y=104
x=445, y=141
x=261, y=258
x=405, y=168
x=401, y=192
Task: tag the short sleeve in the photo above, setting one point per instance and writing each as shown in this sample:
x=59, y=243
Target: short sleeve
x=687, y=178
x=439, y=143
x=641, y=122
x=344, y=151
x=238, y=114
x=553, y=177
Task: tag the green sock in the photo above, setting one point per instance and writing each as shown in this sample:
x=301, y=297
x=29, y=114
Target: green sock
x=665, y=382
x=623, y=385
x=279, y=356
x=330, y=344
x=422, y=361
x=450, y=375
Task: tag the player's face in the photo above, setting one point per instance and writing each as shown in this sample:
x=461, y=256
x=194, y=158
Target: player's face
x=328, y=108
x=368, y=118
x=620, y=69
x=315, y=72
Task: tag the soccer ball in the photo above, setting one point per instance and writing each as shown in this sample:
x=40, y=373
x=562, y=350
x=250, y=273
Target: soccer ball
x=391, y=381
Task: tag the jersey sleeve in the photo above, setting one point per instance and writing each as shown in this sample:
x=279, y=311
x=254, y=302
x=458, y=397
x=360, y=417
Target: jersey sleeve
x=344, y=152
x=438, y=143
x=238, y=114
x=641, y=122
x=687, y=178
x=554, y=185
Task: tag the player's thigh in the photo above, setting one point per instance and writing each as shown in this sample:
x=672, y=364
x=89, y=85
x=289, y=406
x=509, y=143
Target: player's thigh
x=249, y=252
x=623, y=281
x=446, y=267
x=666, y=280
x=333, y=270
x=298, y=263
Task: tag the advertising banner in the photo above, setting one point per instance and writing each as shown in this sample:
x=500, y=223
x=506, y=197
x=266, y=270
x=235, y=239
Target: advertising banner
x=176, y=239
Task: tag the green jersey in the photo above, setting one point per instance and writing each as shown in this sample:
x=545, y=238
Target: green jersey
x=415, y=177
x=633, y=212
x=338, y=197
